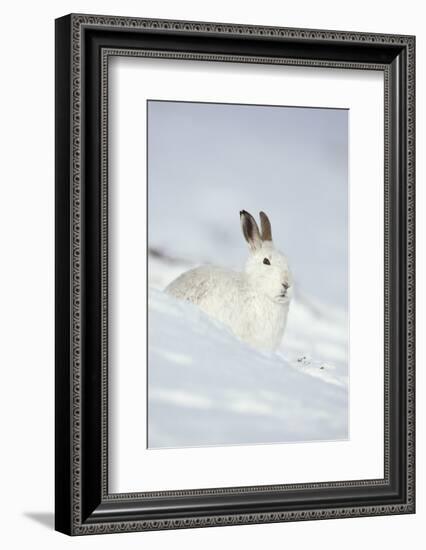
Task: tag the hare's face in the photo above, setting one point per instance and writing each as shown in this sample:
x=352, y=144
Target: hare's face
x=269, y=274
x=266, y=268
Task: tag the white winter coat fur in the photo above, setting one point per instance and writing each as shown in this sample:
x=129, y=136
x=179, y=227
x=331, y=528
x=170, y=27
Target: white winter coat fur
x=254, y=303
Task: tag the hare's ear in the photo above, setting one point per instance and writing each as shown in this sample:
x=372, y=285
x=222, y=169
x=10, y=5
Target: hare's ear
x=265, y=224
x=250, y=230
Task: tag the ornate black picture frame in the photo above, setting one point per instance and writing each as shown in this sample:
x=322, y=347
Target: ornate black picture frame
x=84, y=44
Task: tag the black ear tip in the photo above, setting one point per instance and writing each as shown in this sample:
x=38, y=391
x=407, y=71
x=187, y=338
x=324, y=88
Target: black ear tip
x=242, y=212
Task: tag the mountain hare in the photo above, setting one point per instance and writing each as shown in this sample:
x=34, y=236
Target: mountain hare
x=254, y=304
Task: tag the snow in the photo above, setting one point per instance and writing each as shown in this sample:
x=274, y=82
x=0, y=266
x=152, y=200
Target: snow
x=206, y=387
x=206, y=163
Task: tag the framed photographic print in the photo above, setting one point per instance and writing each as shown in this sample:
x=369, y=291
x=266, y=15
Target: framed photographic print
x=234, y=274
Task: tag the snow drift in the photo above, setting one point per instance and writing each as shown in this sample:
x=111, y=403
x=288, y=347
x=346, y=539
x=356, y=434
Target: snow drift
x=205, y=387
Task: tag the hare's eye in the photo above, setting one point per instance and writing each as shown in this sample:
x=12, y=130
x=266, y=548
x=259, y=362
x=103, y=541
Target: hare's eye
x=266, y=261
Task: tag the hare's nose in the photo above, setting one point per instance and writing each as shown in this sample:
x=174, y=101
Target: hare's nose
x=285, y=286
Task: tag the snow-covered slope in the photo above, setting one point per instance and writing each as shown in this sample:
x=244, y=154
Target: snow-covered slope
x=209, y=161
x=206, y=163
x=208, y=388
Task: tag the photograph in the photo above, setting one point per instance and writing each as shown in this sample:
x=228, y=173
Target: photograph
x=234, y=274
x=248, y=274
x=212, y=237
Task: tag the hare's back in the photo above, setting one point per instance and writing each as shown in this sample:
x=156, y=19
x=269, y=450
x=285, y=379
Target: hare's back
x=202, y=283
